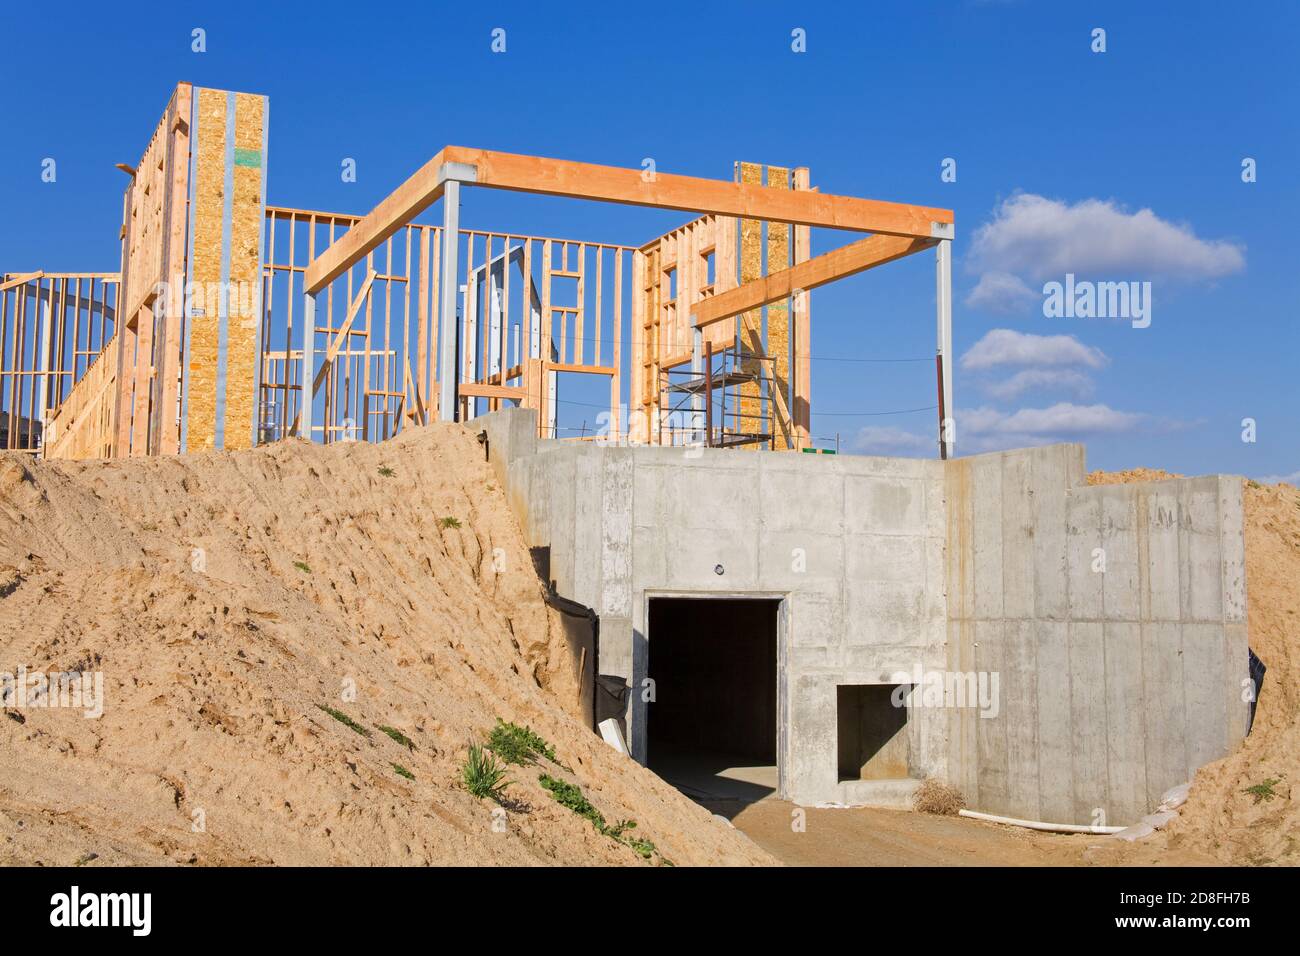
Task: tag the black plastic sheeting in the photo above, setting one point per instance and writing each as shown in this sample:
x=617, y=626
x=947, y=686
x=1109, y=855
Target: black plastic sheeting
x=1257, y=670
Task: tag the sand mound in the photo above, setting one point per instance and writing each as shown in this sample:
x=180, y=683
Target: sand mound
x=1222, y=817
x=228, y=598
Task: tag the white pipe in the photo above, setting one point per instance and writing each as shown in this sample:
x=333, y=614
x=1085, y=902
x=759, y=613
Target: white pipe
x=1037, y=824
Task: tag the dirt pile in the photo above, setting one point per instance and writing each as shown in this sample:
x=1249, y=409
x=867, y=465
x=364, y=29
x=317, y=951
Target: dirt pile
x=259, y=618
x=1243, y=809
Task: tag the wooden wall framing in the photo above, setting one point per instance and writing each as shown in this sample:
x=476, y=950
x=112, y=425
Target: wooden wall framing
x=208, y=347
x=53, y=327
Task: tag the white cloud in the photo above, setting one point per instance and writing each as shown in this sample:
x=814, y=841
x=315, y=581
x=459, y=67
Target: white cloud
x=1064, y=418
x=1001, y=292
x=1039, y=237
x=1009, y=347
x=990, y=429
x=1291, y=479
x=1059, y=380
x=1032, y=238
x=891, y=440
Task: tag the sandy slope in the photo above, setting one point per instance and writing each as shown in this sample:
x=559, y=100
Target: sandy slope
x=315, y=572
x=1221, y=819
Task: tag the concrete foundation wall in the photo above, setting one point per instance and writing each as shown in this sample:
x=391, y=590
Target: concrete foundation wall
x=1115, y=615
x=1111, y=686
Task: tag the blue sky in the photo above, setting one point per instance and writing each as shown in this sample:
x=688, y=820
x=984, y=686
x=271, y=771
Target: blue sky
x=1059, y=152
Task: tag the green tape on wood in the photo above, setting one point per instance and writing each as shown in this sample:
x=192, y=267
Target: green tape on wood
x=248, y=157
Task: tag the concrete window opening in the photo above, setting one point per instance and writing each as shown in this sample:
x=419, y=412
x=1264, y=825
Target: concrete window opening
x=872, y=738
x=712, y=726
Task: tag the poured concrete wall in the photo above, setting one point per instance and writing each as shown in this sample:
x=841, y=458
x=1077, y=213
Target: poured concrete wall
x=1111, y=685
x=1115, y=615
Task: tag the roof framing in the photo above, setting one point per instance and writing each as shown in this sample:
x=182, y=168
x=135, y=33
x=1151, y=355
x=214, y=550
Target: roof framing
x=559, y=177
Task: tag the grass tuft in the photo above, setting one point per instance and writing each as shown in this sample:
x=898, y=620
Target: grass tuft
x=935, y=797
x=302, y=566
x=483, y=776
x=386, y=471
x=403, y=772
x=518, y=745
x=344, y=719
x=449, y=522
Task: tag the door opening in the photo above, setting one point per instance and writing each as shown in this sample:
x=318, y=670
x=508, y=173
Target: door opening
x=712, y=725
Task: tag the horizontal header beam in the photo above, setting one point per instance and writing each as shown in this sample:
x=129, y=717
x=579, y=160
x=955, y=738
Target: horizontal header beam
x=849, y=260
x=558, y=177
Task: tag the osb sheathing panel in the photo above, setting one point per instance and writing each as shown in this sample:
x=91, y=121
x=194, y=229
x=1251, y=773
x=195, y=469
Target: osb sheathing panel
x=206, y=210
x=800, y=405
x=245, y=254
x=246, y=166
x=751, y=323
x=778, y=313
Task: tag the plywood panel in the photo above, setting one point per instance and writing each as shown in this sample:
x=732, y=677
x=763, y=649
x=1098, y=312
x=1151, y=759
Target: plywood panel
x=778, y=313
x=246, y=218
x=751, y=323
x=207, y=205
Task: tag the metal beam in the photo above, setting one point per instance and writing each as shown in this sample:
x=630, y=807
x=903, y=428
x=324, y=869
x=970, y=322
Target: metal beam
x=308, y=365
x=943, y=298
x=448, y=371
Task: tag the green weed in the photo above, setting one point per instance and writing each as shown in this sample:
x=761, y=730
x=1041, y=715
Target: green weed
x=518, y=745
x=344, y=719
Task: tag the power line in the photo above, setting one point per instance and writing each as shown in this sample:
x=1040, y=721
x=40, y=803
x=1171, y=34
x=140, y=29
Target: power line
x=897, y=411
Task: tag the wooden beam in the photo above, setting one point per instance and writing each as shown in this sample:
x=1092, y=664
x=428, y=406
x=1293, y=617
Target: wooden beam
x=559, y=177
x=397, y=209
x=479, y=390
x=846, y=261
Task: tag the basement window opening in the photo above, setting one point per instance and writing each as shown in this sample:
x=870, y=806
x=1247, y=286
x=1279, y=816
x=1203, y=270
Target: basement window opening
x=871, y=732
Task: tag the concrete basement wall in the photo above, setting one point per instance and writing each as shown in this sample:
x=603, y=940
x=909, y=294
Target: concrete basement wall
x=1112, y=686
x=1118, y=679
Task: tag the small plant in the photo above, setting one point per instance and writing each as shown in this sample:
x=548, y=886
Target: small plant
x=518, y=745
x=302, y=566
x=644, y=847
x=449, y=522
x=344, y=719
x=403, y=772
x=1263, y=792
x=483, y=776
x=386, y=471
x=397, y=735
x=569, y=795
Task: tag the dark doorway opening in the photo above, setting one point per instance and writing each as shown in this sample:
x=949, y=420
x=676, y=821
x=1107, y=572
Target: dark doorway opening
x=712, y=726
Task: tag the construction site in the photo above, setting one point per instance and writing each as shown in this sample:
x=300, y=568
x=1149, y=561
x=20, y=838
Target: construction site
x=296, y=483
